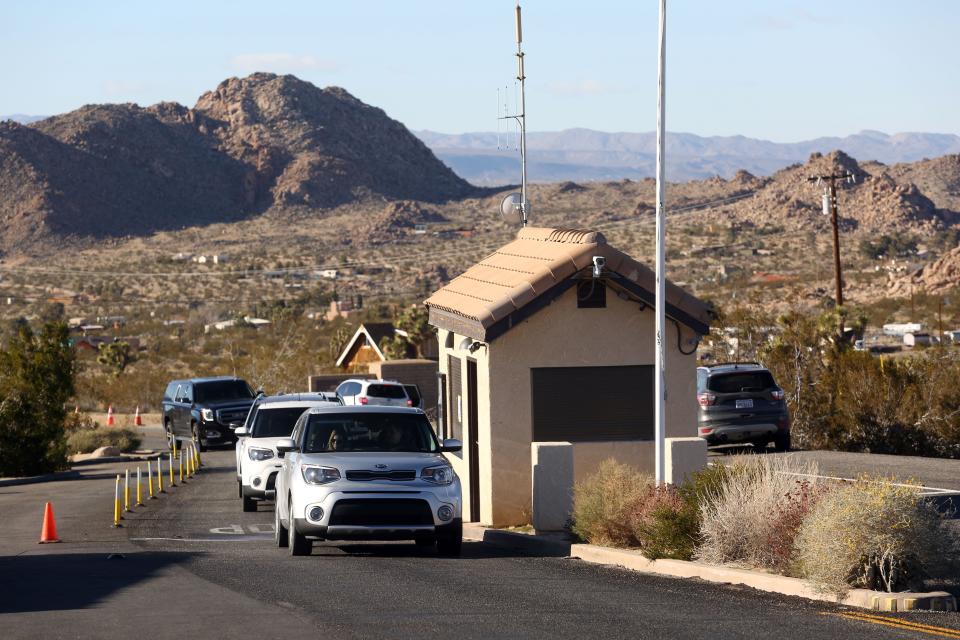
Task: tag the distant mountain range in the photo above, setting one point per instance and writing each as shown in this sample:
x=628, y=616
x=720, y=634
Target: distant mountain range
x=587, y=155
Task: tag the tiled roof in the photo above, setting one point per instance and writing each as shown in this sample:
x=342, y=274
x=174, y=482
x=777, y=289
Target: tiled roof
x=538, y=261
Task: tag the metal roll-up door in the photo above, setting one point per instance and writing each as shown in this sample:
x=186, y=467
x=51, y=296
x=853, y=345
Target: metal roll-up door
x=592, y=403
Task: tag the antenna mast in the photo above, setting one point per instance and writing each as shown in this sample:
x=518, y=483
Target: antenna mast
x=521, y=76
x=515, y=205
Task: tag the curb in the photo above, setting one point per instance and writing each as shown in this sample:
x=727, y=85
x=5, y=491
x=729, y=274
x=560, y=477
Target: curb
x=47, y=477
x=762, y=581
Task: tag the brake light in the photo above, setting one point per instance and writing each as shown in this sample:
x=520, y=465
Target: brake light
x=706, y=430
x=409, y=402
x=363, y=399
x=777, y=394
x=706, y=399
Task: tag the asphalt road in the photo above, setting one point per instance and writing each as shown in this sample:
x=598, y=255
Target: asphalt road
x=195, y=565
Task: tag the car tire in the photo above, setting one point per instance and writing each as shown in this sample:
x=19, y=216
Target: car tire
x=279, y=531
x=239, y=488
x=782, y=442
x=168, y=429
x=451, y=544
x=298, y=543
x=249, y=504
x=195, y=430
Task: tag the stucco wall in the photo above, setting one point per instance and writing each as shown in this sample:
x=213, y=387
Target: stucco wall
x=561, y=335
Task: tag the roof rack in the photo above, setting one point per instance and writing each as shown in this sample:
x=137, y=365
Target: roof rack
x=733, y=364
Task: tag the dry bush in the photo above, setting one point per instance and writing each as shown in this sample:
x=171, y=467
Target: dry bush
x=739, y=520
x=665, y=523
x=603, y=502
x=786, y=520
x=89, y=440
x=873, y=534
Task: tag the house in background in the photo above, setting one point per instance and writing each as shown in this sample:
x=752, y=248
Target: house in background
x=364, y=347
x=537, y=346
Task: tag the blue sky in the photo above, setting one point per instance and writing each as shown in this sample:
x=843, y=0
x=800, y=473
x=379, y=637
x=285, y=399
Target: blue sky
x=783, y=71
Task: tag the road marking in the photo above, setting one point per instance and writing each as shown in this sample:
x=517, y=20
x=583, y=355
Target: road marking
x=245, y=538
x=238, y=530
x=897, y=623
x=931, y=491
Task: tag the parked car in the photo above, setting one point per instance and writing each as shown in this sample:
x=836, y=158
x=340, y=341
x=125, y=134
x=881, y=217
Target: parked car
x=383, y=393
x=270, y=419
x=741, y=403
x=367, y=473
x=206, y=410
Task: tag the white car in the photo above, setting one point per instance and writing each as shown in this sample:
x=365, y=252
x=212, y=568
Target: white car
x=367, y=473
x=271, y=418
x=381, y=393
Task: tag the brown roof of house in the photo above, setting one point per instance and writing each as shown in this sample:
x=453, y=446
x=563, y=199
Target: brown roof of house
x=482, y=301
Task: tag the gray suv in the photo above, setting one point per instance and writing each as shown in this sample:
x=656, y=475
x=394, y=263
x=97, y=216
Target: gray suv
x=741, y=403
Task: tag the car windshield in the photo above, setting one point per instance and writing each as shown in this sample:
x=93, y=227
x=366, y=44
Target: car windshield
x=369, y=431
x=276, y=422
x=741, y=381
x=222, y=390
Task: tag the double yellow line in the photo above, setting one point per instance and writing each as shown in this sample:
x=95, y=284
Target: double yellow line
x=898, y=623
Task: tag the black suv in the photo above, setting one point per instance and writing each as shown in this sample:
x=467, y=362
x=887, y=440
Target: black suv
x=206, y=410
x=740, y=403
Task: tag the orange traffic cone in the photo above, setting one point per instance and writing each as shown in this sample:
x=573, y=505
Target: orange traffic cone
x=48, y=532
x=110, y=420
x=136, y=418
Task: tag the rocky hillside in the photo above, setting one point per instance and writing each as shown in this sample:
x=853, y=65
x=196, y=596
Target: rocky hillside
x=251, y=145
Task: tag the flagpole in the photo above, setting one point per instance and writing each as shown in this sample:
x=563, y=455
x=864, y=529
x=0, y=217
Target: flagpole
x=660, y=363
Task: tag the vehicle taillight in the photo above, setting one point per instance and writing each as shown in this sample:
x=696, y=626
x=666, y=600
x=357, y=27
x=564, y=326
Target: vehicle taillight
x=777, y=394
x=706, y=399
x=409, y=402
x=706, y=430
x=363, y=399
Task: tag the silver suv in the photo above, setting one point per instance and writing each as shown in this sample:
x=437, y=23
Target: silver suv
x=367, y=473
x=383, y=393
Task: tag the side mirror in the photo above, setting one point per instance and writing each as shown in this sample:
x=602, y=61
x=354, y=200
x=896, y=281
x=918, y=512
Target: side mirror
x=241, y=432
x=451, y=446
x=285, y=446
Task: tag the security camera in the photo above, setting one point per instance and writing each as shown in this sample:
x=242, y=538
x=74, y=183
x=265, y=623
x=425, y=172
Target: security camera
x=599, y=264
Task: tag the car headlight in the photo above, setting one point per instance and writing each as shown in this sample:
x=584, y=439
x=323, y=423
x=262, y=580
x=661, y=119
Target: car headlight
x=442, y=474
x=207, y=414
x=259, y=454
x=318, y=475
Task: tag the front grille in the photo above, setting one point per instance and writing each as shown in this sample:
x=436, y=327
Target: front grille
x=228, y=416
x=369, y=513
x=362, y=476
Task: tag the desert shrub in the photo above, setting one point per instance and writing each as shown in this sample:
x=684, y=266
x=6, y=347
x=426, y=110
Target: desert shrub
x=665, y=524
x=604, y=501
x=36, y=379
x=785, y=522
x=873, y=534
x=738, y=522
x=75, y=422
x=88, y=440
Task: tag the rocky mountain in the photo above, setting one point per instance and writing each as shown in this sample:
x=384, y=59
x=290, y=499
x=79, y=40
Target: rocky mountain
x=252, y=144
x=937, y=277
x=585, y=154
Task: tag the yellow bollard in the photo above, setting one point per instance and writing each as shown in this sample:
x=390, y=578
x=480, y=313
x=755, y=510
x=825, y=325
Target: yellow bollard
x=197, y=454
x=172, y=483
x=173, y=445
x=180, y=461
x=150, y=480
x=139, y=492
x=192, y=463
x=116, y=503
x=160, y=475
x=126, y=491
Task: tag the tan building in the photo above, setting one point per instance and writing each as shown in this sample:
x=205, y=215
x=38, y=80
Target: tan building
x=536, y=347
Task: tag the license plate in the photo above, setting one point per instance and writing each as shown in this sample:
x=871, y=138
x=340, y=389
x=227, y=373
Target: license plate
x=745, y=404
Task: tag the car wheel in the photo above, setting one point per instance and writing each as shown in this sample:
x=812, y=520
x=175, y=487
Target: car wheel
x=279, y=531
x=168, y=428
x=249, y=504
x=195, y=430
x=298, y=543
x=782, y=442
x=239, y=488
x=450, y=544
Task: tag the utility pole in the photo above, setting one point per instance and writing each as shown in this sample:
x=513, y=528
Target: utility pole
x=830, y=208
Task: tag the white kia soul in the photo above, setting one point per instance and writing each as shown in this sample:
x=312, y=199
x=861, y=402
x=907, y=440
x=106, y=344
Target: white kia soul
x=271, y=418
x=367, y=473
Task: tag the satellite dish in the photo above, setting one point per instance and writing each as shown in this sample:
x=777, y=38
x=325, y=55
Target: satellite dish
x=510, y=209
